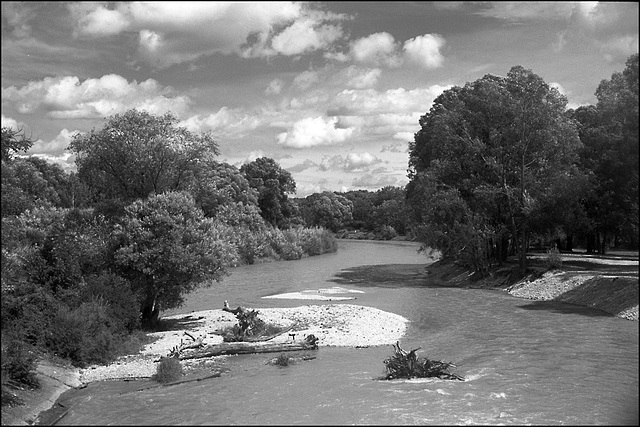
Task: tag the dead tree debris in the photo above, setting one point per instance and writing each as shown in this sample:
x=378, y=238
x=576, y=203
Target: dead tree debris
x=405, y=364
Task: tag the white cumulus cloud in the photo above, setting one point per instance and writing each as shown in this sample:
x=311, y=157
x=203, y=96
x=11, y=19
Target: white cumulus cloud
x=377, y=49
x=56, y=146
x=225, y=123
x=425, y=50
x=67, y=97
x=314, y=131
x=396, y=101
x=174, y=32
x=305, y=35
x=355, y=161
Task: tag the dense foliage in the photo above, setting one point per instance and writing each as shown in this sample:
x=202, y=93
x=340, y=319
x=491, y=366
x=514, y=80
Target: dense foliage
x=166, y=248
x=90, y=260
x=609, y=132
x=137, y=154
x=500, y=163
x=359, y=214
x=273, y=185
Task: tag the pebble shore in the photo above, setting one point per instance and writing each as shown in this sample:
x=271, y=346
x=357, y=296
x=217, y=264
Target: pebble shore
x=616, y=295
x=333, y=324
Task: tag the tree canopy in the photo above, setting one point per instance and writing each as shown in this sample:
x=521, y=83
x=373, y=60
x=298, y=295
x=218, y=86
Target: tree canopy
x=138, y=154
x=609, y=132
x=326, y=209
x=167, y=248
x=273, y=184
x=219, y=184
x=495, y=147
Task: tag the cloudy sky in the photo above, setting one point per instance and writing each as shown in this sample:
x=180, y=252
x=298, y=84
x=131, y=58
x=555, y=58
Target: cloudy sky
x=331, y=90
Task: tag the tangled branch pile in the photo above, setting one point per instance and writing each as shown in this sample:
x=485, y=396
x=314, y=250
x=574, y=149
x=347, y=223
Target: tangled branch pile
x=407, y=365
x=249, y=327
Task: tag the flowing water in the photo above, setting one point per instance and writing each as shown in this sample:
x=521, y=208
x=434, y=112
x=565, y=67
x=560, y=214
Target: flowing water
x=524, y=362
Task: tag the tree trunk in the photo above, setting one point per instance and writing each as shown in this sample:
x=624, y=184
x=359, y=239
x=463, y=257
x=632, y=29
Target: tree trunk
x=603, y=243
x=590, y=243
x=150, y=313
x=569, y=247
x=309, y=343
x=523, y=251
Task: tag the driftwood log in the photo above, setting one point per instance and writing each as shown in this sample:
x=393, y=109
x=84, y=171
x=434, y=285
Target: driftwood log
x=309, y=343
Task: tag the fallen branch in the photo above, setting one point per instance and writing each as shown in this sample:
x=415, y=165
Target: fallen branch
x=249, y=328
x=197, y=343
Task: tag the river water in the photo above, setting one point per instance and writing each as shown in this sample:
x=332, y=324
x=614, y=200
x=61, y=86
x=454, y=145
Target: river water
x=524, y=362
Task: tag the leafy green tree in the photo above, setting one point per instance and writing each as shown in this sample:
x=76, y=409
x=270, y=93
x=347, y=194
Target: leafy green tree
x=57, y=179
x=23, y=187
x=389, y=209
x=13, y=141
x=500, y=143
x=167, y=248
x=609, y=132
x=326, y=209
x=219, y=184
x=138, y=154
x=31, y=182
x=273, y=184
x=362, y=201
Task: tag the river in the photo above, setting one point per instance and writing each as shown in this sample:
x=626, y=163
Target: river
x=525, y=362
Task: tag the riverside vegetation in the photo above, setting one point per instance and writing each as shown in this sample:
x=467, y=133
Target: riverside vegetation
x=497, y=167
x=90, y=259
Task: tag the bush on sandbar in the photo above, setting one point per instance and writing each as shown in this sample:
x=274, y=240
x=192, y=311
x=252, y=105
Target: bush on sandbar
x=168, y=370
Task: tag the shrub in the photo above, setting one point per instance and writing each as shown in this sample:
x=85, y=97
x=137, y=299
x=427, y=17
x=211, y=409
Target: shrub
x=315, y=241
x=387, y=232
x=19, y=361
x=283, y=360
x=84, y=335
x=122, y=306
x=553, y=258
x=27, y=311
x=169, y=369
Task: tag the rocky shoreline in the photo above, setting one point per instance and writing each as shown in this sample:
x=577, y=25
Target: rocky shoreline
x=609, y=283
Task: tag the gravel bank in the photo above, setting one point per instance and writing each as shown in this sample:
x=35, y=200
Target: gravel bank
x=607, y=283
x=333, y=324
x=617, y=295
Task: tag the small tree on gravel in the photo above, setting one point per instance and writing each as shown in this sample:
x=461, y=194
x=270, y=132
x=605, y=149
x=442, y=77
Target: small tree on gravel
x=167, y=249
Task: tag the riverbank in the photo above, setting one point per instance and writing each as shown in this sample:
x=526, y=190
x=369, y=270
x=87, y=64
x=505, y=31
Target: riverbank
x=55, y=377
x=604, y=282
x=333, y=324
